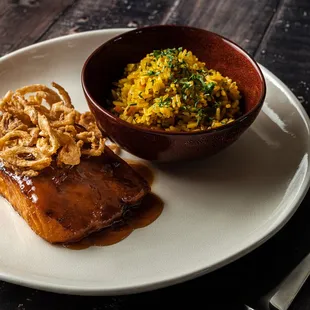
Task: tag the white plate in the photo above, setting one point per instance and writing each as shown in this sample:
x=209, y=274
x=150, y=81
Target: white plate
x=215, y=211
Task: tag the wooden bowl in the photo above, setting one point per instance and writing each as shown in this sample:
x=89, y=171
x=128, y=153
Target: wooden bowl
x=106, y=65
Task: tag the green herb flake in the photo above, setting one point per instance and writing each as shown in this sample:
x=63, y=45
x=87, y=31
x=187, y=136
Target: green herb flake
x=201, y=71
x=151, y=72
x=200, y=115
x=184, y=108
x=164, y=103
x=196, y=103
x=208, y=88
x=197, y=77
x=156, y=53
x=217, y=104
x=186, y=85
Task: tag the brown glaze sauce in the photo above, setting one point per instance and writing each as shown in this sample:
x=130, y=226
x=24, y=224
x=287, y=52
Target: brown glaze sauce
x=143, y=170
x=138, y=217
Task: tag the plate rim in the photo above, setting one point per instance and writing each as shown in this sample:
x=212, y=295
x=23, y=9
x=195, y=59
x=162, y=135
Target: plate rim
x=143, y=287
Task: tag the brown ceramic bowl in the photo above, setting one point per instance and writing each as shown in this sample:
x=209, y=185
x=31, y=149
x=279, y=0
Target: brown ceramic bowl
x=106, y=64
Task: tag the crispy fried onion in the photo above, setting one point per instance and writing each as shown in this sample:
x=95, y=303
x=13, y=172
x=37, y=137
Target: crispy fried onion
x=39, y=125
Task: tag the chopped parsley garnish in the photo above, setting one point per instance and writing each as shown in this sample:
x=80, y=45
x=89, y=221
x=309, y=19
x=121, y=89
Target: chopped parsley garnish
x=196, y=103
x=202, y=71
x=185, y=84
x=169, y=53
x=208, y=88
x=198, y=77
x=151, y=72
x=164, y=102
x=184, y=96
x=156, y=53
x=217, y=104
x=184, y=108
x=180, y=89
x=201, y=114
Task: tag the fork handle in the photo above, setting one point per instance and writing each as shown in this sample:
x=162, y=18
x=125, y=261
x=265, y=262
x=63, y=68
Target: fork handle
x=289, y=288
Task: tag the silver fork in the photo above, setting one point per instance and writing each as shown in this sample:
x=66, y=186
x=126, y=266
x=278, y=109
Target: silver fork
x=283, y=295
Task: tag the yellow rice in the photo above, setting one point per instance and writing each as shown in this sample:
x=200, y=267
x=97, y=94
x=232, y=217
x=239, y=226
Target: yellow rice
x=172, y=90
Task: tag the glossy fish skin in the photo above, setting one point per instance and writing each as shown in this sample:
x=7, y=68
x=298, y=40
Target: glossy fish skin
x=65, y=205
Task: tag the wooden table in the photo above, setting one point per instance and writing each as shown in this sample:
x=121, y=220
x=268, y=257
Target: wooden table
x=277, y=34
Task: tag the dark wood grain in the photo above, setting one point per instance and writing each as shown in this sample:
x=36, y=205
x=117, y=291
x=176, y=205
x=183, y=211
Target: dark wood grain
x=98, y=14
x=22, y=22
x=186, y=296
x=285, y=48
x=244, y=22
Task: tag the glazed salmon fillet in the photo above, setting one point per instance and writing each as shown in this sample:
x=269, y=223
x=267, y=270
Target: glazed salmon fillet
x=64, y=205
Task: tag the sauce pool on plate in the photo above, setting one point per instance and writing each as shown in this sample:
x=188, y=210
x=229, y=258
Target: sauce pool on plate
x=139, y=217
